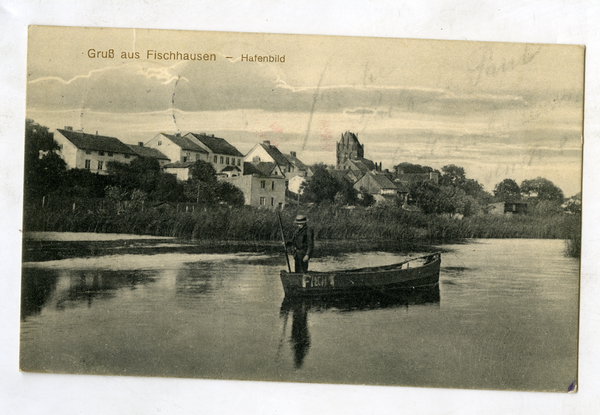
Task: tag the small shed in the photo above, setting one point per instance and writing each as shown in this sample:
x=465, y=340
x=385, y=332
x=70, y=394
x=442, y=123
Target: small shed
x=508, y=208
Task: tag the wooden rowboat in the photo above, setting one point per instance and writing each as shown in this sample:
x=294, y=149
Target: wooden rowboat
x=415, y=273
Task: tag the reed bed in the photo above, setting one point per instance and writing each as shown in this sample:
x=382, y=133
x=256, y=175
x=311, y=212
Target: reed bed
x=329, y=223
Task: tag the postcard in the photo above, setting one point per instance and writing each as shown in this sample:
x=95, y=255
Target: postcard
x=293, y=208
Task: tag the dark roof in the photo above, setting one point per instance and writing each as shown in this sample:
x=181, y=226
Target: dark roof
x=85, y=141
x=296, y=162
x=231, y=168
x=185, y=143
x=341, y=174
x=262, y=169
x=402, y=188
x=364, y=165
x=147, y=152
x=179, y=165
x=275, y=154
x=217, y=145
x=383, y=181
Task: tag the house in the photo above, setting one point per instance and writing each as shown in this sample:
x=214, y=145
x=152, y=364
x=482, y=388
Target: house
x=230, y=171
x=221, y=154
x=300, y=169
x=181, y=170
x=91, y=151
x=351, y=175
x=150, y=153
x=507, y=208
x=178, y=148
x=296, y=184
x=266, y=153
x=261, y=188
x=376, y=184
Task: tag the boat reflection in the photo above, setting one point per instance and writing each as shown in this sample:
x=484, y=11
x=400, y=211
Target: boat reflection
x=299, y=307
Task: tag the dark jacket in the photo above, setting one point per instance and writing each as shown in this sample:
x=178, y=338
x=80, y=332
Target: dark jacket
x=303, y=242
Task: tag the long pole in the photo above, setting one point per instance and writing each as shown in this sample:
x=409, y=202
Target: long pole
x=287, y=260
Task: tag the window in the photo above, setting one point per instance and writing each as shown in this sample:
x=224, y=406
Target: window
x=273, y=186
x=100, y=164
x=88, y=164
x=88, y=151
x=215, y=159
x=197, y=157
x=226, y=160
x=160, y=143
x=263, y=184
x=126, y=156
x=221, y=159
x=184, y=159
x=239, y=162
x=110, y=154
x=101, y=153
x=272, y=201
x=262, y=201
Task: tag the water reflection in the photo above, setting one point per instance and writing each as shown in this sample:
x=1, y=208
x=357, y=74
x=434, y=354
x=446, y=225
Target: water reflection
x=67, y=289
x=300, y=306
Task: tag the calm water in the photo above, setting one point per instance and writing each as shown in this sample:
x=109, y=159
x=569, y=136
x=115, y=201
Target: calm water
x=505, y=316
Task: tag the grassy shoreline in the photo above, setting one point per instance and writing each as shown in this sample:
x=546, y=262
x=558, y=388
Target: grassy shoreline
x=330, y=223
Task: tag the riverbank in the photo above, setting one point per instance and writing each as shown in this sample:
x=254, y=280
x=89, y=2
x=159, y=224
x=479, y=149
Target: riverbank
x=330, y=223
x=51, y=246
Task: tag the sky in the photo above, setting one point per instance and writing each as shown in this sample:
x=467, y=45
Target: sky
x=500, y=110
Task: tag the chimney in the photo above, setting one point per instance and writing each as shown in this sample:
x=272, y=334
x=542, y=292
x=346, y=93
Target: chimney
x=293, y=153
x=140, y=144
x=68, y=128
x=212, y=135
x=177, y=134
x=267, y=143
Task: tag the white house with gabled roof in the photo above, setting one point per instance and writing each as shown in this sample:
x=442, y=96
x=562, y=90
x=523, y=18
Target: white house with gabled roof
x=222, y=155
x=178, y=148
x=91, y=152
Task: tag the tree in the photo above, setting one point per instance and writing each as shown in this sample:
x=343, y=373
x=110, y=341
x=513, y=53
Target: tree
x=425, y=195
x=573, y=205
x=229, y=194
x=167, y=189
x=541, y=189
x=452, y=175
x=409, y=168
x=366, y=199
x=347, y=194
x=44, y=168
x=322, y=186
x=507, y=190
x=203, y=171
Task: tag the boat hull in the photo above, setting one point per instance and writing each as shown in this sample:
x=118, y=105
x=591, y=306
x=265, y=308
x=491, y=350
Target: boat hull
x=400, y=276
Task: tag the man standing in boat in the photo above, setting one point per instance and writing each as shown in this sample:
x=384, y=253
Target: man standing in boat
x=303, y=244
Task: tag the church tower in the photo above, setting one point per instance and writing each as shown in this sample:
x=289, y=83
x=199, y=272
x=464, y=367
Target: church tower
x=349, y=148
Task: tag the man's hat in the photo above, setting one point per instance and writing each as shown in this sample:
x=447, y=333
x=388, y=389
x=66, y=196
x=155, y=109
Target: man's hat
x=300, y=219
